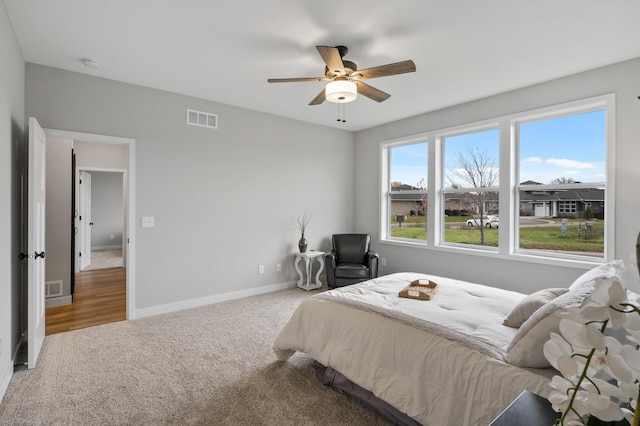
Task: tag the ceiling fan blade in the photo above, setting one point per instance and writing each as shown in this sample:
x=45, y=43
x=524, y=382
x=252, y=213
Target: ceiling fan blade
x=385, y=70
x=318, y=99
x=331, y=57
x=371, y=92
x=296, y=80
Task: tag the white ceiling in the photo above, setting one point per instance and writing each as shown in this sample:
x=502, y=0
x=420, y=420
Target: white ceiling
x=224, y=51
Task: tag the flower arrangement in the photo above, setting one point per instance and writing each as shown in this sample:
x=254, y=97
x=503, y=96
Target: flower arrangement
x=600, y=375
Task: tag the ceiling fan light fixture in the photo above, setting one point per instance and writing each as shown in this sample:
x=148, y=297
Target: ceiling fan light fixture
x=341, y=91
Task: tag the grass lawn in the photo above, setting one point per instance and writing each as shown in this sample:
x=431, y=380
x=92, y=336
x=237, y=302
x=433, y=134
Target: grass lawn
x=546, y=237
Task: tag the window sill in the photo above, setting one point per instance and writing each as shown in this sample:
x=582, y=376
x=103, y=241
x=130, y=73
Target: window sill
x=581, y=262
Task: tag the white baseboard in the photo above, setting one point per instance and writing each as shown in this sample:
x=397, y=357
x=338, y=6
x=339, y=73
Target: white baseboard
x=7, y=371
x=217, y=298
x=58, y=301
x=97, y=248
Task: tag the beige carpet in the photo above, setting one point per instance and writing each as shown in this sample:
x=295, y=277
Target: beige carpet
x=206, y=366
x=104, y=259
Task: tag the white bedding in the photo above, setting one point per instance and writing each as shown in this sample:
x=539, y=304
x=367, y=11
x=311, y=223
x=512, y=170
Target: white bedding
x=439, y=361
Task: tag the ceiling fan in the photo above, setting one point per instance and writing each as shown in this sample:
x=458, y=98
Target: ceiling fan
x=345, y=80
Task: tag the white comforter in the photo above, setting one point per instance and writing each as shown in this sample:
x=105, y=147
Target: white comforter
x=439, y=361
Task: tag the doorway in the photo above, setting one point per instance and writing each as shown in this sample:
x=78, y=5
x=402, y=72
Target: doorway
x=109, y=289
x=100, y=222
x=98, y=276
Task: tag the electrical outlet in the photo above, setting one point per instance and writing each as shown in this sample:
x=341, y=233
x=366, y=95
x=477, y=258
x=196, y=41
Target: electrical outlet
x=383, y=261
x=278, y=267
x=261, y=269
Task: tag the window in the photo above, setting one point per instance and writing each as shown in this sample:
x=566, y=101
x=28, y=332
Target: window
x=507, y=186
x=407, y=192
x=562, y=169
x=470, y=188
x=566, y=207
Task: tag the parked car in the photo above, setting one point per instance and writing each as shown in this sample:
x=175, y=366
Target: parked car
x=488, y=221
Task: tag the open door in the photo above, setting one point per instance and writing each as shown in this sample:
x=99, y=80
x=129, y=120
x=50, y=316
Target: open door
x=35, y=241
x=85, y=222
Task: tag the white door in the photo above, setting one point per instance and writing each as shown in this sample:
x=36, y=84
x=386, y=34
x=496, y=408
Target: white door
x=85, y=219
x=35, y=241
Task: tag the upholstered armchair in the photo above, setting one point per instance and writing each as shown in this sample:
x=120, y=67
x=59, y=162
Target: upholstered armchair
x=351, y=260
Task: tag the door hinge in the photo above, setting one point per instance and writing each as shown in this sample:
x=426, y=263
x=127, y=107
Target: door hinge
x=80, y=254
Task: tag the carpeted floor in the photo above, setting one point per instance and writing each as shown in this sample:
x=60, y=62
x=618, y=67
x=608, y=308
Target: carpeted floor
x=206, y=366
x=103, y=259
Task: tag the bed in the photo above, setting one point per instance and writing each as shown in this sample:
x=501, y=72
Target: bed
x=449, y=360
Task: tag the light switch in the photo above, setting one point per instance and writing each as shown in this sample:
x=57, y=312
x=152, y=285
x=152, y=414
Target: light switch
x=148, y=222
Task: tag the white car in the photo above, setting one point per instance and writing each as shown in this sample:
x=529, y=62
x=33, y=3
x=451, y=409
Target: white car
x=487, y=221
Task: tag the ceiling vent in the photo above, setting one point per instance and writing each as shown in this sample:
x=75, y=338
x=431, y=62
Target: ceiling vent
x=202, y=119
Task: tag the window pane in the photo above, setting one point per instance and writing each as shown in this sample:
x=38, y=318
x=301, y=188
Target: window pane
x=566, y=152
x=463, y=226
x=471, y=162
x=408, y=191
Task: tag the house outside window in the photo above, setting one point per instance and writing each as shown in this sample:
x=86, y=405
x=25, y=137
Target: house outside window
x=539, y=168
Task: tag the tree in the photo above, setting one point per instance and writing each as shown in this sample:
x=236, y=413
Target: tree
x=561, y=180
x=476, y=169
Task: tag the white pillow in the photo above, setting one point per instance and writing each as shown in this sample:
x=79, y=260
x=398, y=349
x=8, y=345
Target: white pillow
x=527, y=306
x=525, y=349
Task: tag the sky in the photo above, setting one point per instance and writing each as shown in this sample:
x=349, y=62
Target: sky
x=571, y=147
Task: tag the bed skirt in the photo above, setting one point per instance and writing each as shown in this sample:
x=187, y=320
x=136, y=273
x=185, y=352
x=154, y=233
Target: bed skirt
x=339, y=383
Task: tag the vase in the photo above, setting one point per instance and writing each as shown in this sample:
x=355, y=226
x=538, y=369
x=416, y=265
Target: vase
x=302, y=244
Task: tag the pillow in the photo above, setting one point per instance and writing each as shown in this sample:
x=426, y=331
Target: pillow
x=525, y=349
x=527, y=306
x=613, y=269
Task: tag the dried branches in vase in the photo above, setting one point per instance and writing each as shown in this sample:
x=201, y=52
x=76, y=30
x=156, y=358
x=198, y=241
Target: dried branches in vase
x=303, y=221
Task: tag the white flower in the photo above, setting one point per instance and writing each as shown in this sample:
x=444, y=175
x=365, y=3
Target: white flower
x=610, y=293
x=559, y=352
x=582, y=336
x=599, y=372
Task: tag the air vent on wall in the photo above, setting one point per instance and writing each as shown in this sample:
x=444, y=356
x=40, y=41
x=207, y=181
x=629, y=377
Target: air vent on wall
x=202, y=119
x=53, y=288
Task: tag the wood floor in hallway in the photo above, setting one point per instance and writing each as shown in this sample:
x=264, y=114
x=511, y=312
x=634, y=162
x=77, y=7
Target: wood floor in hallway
x=100, y=298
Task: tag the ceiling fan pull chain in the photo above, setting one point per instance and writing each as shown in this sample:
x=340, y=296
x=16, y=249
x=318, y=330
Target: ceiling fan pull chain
x=341, y=112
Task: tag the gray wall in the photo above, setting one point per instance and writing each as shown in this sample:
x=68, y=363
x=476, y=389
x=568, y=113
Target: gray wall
x=270, y=167
x=517, y=275
x=12, y=119
x=107, y=209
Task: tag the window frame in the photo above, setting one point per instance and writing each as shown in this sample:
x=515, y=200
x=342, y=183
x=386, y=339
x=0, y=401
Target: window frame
x=508, y=160
x=385, y=193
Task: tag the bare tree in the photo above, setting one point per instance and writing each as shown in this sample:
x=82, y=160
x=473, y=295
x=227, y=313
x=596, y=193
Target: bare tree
x=476, y=169
x=561, y=180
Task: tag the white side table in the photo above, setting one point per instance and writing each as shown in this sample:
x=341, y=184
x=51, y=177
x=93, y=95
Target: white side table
x=308, y=263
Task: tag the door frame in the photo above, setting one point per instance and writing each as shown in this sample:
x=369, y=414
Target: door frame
x=130, y=197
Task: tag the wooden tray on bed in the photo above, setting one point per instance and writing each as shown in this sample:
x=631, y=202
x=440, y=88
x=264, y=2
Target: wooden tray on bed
x=420, y=290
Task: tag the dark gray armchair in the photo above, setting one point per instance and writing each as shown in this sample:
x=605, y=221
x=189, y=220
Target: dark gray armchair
x=351, y=260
